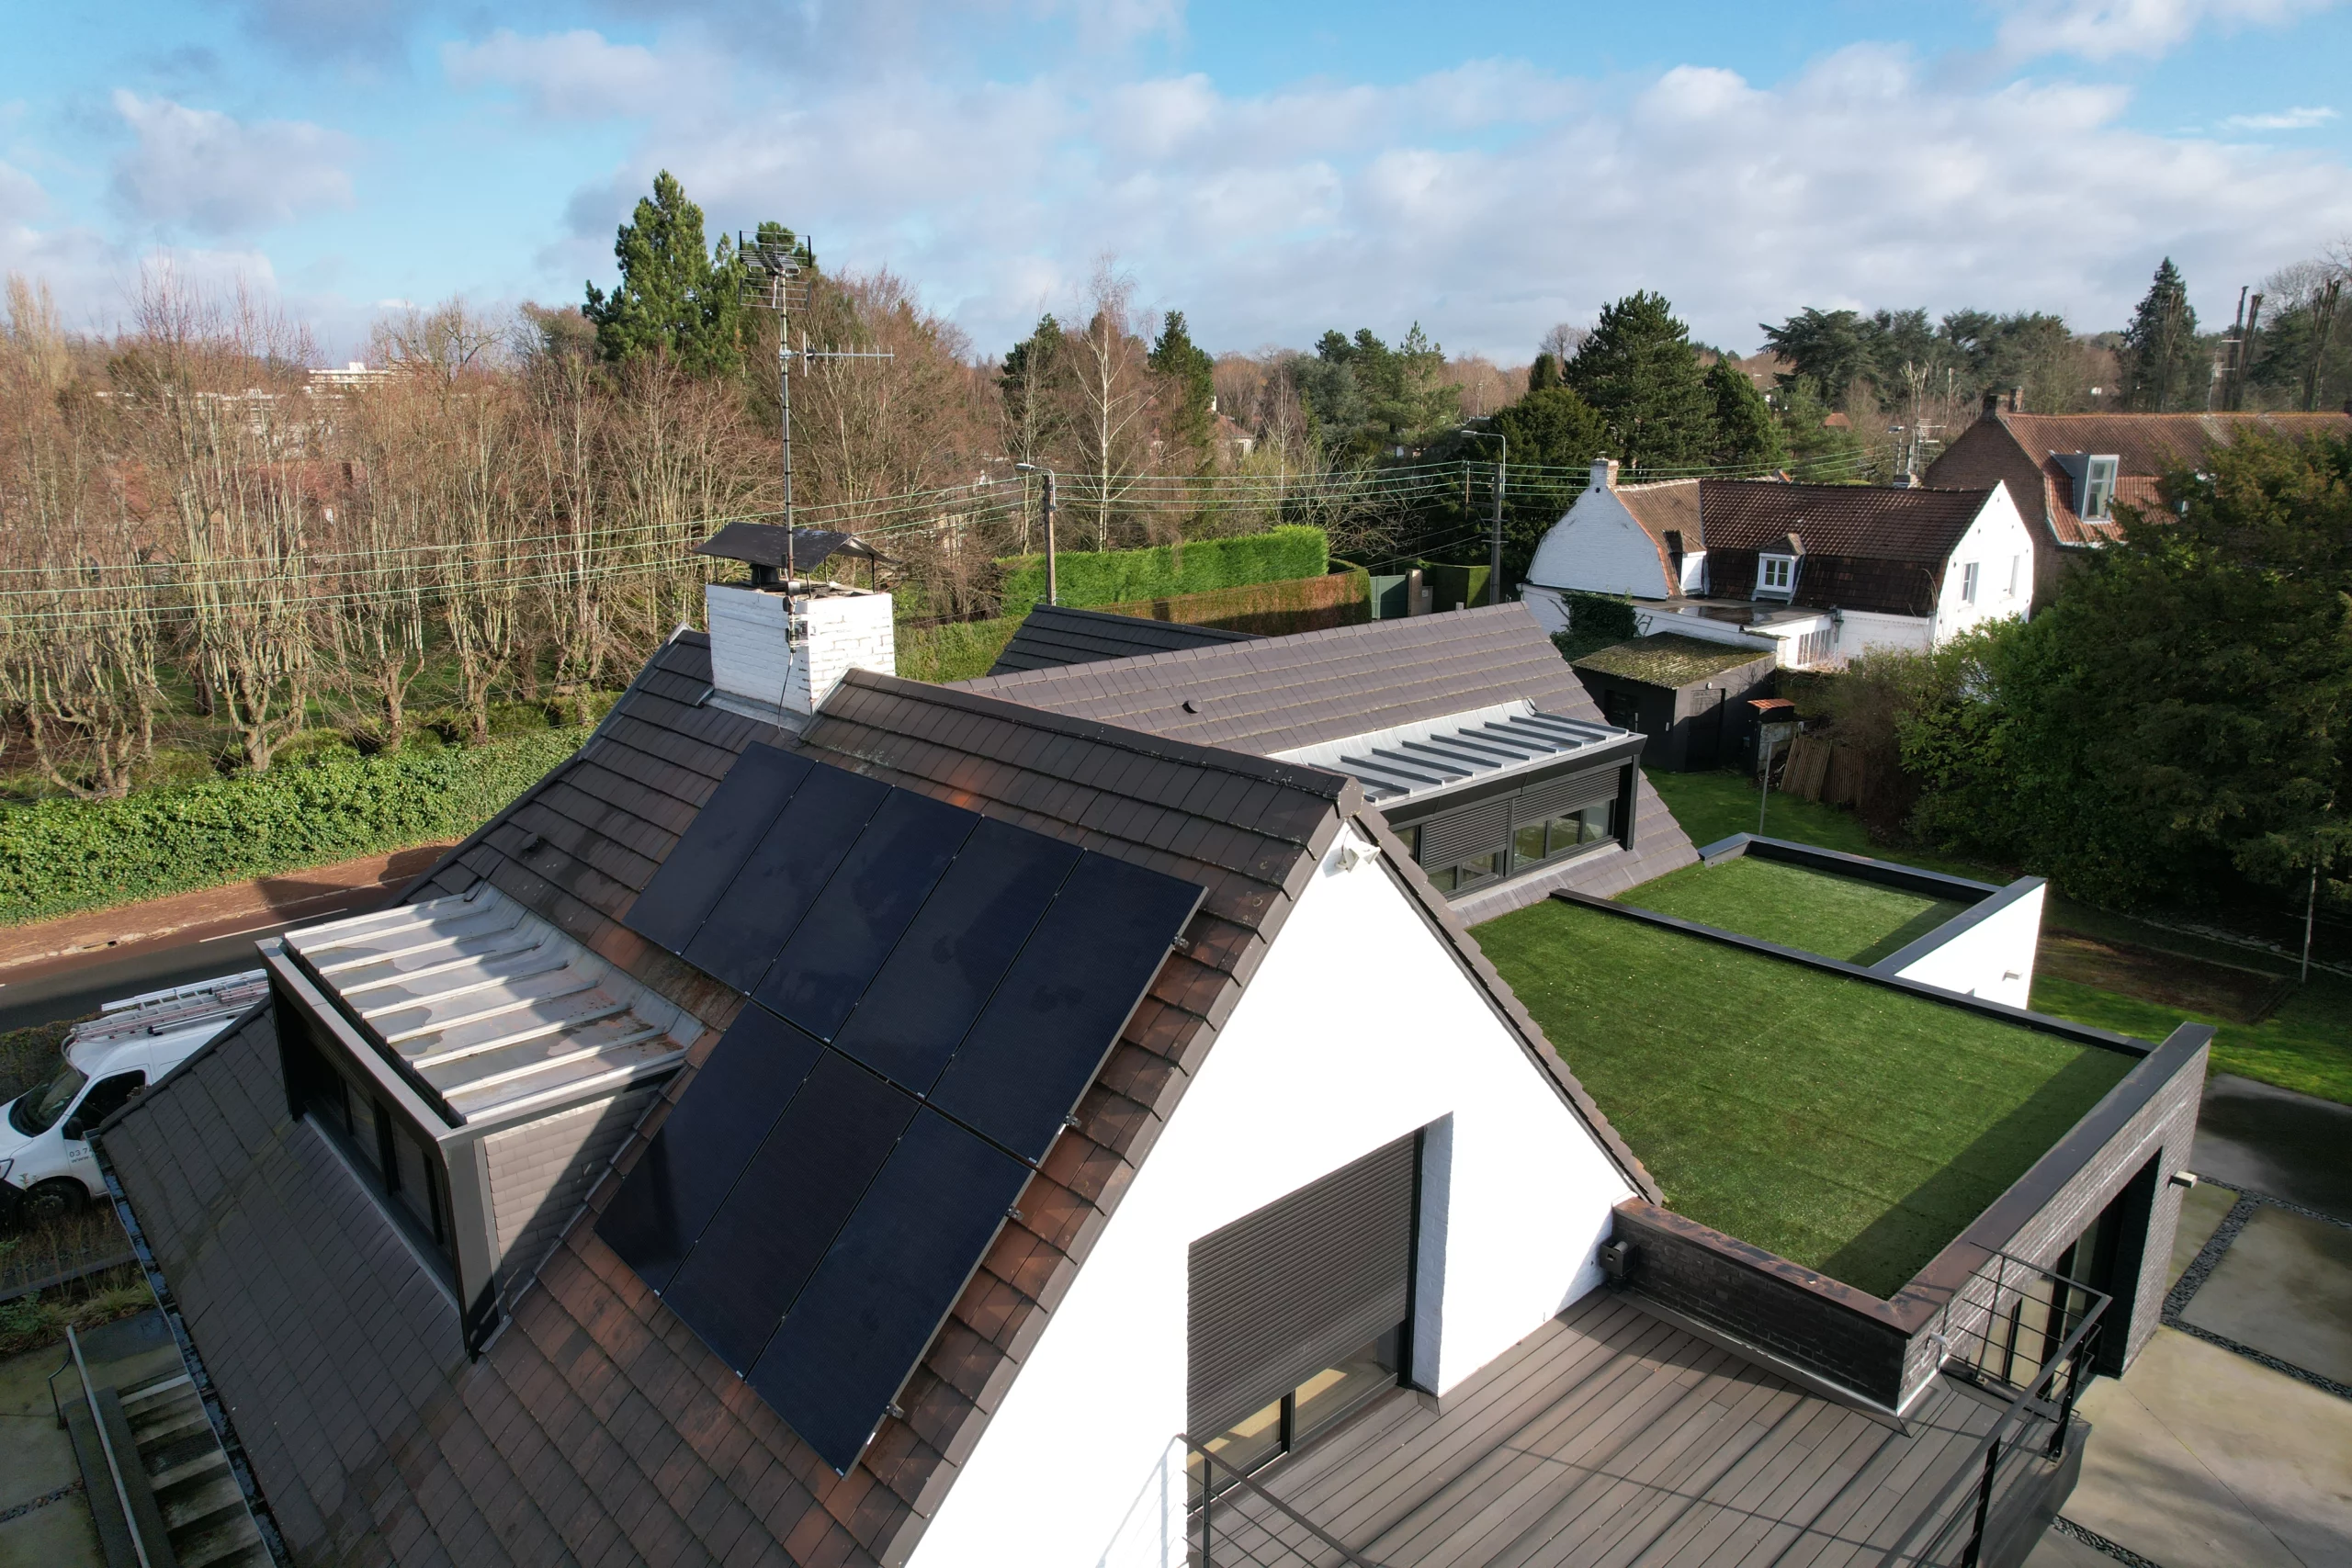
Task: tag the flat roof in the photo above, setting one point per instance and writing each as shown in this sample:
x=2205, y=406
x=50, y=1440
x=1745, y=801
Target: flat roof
x=1845, y=918
x=1669, y=659
x=1851, y=1127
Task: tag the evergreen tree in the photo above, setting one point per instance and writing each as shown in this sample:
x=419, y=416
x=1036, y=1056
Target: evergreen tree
x=1746, y=433
x=1554, y=435
x=1544, y=373
x=675, y=297
x=2161, y=357
x=1638, y=372
x=1188, y=376
x=1032, y=417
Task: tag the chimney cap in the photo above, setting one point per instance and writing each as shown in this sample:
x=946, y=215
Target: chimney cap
x=765, y=543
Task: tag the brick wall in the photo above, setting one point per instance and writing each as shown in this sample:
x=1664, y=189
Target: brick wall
x=845, y=629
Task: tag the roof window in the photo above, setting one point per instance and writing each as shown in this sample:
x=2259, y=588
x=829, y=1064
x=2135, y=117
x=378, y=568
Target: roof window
x=2098, y=490
x=1776, y=576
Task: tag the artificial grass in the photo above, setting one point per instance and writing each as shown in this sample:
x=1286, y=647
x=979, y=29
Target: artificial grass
x=1851, y=1128
x=1837, y=917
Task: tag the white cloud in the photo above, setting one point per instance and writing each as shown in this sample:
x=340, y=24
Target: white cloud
x=580, y=75
x=2109, y=29
x=201, y=170
x=2285, y=120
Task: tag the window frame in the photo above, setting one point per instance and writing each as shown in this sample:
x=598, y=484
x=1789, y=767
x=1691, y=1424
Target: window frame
x=1968, y=582
x=1776, y=574
x=2099, y=476
x=1614, y=826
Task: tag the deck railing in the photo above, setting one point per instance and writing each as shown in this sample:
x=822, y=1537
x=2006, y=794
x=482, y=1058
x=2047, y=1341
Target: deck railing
x=2021, y=1333
x=1233, y=1522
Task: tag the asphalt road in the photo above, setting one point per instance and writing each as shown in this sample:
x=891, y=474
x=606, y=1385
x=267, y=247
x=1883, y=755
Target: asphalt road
x=76, y=987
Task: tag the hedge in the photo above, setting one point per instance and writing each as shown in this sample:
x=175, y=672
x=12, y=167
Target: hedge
x=61, y=856
x=1269, y=609
x=957, y=650
x=1092, y=578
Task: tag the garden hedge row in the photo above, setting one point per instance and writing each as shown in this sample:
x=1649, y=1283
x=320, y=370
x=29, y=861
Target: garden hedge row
x=1092, y=578
x=61, y=856
x=1269, y=609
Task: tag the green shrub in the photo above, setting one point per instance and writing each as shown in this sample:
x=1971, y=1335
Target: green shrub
x=1089, y=578
x=60, y=856
x=1269, y=609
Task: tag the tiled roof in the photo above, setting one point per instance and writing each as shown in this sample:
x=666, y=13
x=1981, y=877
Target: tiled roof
x=1284, y=694
x=1670, y=506
x=1870, y=520
x=595, y=1427
x=1051, y=635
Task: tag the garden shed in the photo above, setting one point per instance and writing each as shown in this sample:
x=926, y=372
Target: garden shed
x=1682, y=693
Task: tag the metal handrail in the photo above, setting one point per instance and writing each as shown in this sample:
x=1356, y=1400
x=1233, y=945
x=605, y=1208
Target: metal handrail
x=106, y=1447
x=2027, y=1405
x=1209, y=1466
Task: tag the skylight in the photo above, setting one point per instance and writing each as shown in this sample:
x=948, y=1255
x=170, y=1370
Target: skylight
x=1428, y=758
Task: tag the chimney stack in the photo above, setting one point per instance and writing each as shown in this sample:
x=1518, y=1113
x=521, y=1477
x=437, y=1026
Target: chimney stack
x=2016, y=400
x=1604, y=473
x=1992, y=405
x=783, y=639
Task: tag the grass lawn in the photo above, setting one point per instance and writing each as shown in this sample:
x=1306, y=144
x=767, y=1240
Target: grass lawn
x=1852, y=1129
x=2306, y=1044
x=1837, y=917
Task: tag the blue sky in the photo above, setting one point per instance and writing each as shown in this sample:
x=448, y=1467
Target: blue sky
x=1484, y=169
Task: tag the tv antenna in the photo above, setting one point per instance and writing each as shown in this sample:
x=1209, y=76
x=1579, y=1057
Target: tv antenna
x=782, y=271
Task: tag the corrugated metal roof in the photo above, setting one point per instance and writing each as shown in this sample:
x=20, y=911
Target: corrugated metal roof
x=1415, y=759
x=487, y=1003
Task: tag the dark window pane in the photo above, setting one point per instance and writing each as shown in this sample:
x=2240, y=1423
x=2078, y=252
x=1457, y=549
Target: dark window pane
x=1044, y=1034
x=700, y=1150
x=810, y=1174
x=752, y=920
x=1248, y=1443
x=864, y=909
x=955, y=955
x=1529, y=845
x=1332, y=1392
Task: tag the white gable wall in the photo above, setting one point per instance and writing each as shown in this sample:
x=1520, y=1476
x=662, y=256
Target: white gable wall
x=2001, y=547
x=1599, y=548
x=1358, y=1027
x=1990, y=957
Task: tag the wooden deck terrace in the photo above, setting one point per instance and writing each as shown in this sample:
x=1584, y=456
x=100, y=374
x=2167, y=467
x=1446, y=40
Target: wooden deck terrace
x=1610, y=1438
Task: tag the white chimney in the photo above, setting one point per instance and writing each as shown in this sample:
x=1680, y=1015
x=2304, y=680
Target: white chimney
x=1604, y=473
x=785, y=639
x=834, y=629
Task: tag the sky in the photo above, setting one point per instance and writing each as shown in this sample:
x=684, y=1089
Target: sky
x=1484, y=169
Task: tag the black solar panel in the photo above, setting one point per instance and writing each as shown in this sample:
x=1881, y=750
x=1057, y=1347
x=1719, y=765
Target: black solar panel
x=738, y=813
x=701, y=1147
x=786, y=1206
x=864, y=909
x=863, y=1320
x=1043, y=1036
x=783, y=877
x=953, y=956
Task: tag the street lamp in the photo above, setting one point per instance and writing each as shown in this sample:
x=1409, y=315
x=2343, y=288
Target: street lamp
x=1053, y=583
x=1495, y=549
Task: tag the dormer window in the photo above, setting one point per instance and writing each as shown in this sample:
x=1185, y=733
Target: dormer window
x=1776, y=575
x=2098, y=490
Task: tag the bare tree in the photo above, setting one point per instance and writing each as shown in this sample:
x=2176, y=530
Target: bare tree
x=1112, y=385
x=1562, y=340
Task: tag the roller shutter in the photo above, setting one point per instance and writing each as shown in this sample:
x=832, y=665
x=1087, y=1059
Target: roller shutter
x=1281, y=1294
x=1561, y=795
x=1458, y=835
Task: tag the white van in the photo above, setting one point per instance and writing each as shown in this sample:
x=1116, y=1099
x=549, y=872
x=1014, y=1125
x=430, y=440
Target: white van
x=46, y=1168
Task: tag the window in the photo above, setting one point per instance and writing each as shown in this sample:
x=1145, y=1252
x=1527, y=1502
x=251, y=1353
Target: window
x=1475, y=846
x=1967, y=583
x=107, y=1097
x=1810, y=647
x=2016, y=564
x=397, y=1163
x=1776, y=574
x=36, y=1112
x=2099, y=488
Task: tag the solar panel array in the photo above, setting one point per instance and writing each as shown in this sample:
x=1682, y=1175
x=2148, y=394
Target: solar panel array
x=932, y=992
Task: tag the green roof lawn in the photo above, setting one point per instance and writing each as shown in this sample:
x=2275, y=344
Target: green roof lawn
x=1815, y=911
x=1669, y=659
x=1850, y=1127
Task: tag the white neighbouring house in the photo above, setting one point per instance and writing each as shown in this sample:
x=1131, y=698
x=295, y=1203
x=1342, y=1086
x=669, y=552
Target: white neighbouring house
x=1817, y=573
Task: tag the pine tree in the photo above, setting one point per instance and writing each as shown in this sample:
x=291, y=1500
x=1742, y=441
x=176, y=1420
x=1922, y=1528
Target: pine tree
x=2160, y=354
x=675, y=296
x=1544, y=373
x=1032, y=419
x=1638, y=372
x=1746, y=433
x=1188, y=419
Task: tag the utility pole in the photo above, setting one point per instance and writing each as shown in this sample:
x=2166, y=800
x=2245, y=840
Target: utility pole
x=1053, y=579
x=1495, y=544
